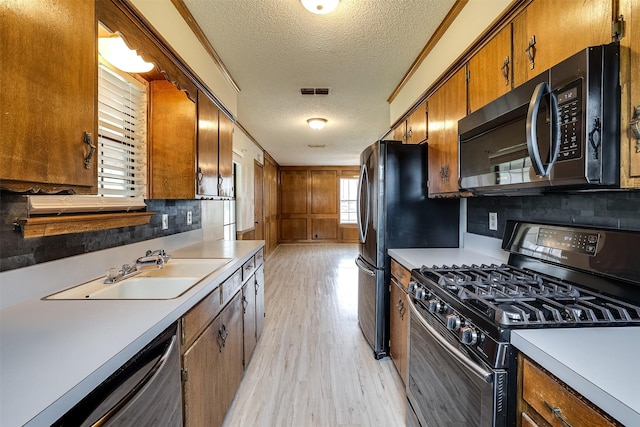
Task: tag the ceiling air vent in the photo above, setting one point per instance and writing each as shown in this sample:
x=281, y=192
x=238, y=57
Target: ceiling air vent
x=314, y=91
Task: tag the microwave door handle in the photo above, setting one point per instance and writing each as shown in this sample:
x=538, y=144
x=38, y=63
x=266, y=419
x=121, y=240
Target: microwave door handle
x=532, y=137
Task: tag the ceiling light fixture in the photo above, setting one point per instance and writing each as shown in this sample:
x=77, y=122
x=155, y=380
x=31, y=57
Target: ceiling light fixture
x=118, y=54
x=320, y=6
x=317, y=123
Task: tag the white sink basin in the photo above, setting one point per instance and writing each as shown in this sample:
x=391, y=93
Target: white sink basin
x=176, y=278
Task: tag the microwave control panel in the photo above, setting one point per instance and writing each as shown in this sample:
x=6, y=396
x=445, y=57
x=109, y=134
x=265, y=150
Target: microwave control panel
x=570, y=115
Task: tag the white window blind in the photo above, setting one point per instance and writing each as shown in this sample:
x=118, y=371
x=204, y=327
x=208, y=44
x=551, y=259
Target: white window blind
x=122, y=134
x=348, y=200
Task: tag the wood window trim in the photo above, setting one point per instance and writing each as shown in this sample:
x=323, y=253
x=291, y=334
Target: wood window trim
x=44, y=226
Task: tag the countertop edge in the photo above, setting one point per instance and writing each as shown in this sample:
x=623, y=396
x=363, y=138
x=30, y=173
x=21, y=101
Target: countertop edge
x=581, y=383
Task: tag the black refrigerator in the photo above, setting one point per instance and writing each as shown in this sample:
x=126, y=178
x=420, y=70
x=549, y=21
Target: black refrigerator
x=394, y=212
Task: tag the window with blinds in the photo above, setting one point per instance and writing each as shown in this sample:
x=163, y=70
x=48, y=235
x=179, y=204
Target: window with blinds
x=122, y=134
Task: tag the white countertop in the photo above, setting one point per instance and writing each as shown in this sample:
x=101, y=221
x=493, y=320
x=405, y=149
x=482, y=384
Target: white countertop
x=599, y=363
x=52, y=353
x=416, y=258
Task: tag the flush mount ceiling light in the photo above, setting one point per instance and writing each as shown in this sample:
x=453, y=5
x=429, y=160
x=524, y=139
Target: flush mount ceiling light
x=320, y=6
x=317, y=123
x=118, y=54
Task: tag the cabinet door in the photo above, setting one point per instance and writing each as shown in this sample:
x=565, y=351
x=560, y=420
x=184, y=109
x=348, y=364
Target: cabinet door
x=48, y=95
x=560, y=28
x=446, y=106
x=173, y=142
x=233, y=349
x=249, y=319
x=225, y=156
x=490, y=71
x=400, y=132
x=398, y=329
x=417, y=125
x=207, y=173
x=630, y=90
x=204, y=385
x=213, y=366
x=260, y=313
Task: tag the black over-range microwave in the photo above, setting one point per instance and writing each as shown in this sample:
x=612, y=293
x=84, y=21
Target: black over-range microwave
x=560, y=130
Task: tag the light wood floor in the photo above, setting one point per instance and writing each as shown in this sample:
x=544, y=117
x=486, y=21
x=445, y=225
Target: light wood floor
x=312, y=366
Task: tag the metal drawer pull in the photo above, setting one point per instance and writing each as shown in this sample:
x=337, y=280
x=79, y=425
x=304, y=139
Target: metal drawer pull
x=557, y=412
x=505, y=71
x=92, y=148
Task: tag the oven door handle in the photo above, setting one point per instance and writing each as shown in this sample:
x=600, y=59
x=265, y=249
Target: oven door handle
x=484, y=374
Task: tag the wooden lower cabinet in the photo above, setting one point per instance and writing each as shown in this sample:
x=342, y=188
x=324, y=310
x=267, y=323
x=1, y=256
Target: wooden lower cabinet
x=259, y=289
x=544, y=400
x=399, y=318
x=249, y=319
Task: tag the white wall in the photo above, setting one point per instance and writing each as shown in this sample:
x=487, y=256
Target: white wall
x=166, y=19
x=245, y=152
x=476, y=16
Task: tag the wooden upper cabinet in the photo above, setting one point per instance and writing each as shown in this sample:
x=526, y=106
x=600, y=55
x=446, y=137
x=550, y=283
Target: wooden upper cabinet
x=630, y=94
x=560, y=28
x=48, y=96
x=225, y=156
x=447, y=105
x=207, y=170
x=400, y=132
x=417, y=125
x=172, y=147
x=489, y=71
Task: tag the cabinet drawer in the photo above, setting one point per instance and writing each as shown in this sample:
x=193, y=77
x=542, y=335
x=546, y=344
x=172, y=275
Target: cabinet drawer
x=556, y=402
x=197, y=319
x=259, y=257
x=527, y=421
x=248, y=268
x=401, y=274
x=231, y=286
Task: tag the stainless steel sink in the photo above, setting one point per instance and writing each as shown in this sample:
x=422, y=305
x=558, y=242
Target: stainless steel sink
x=176, y=278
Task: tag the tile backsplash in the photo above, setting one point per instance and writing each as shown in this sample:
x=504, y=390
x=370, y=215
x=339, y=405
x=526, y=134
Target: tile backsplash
x=611, y=209
x=17, y=252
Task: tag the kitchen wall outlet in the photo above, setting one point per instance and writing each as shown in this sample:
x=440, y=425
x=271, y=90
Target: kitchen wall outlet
x=165, y=221
x=493, y=220
x=189, y=217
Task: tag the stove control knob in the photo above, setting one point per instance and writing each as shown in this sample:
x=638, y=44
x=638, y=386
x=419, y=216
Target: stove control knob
x=412, y=287
x=434, y=305
x=468, y=335
x=419, y=293
x=453, y=322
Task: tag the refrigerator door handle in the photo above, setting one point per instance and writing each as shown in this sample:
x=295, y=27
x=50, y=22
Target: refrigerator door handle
x=363, y=186
x=362, y=265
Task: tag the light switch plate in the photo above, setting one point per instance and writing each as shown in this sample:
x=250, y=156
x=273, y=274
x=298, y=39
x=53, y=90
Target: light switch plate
x=189, y=217
x=165, y=221
x=493, y=220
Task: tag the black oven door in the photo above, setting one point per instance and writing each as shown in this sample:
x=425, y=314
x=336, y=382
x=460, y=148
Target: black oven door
x=446, y=387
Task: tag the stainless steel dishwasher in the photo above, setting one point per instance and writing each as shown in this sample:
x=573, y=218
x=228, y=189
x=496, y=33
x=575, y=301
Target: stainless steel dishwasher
x=145, y=391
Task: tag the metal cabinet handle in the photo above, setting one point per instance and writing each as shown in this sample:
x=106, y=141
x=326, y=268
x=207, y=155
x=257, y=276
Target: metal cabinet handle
x=444, y=173
x=401, y=308
x=245, y=303
x=531, y=51
x=505, y=70
x=92, y=148
x=557, y=412
x=635, y=121
x=222, y=337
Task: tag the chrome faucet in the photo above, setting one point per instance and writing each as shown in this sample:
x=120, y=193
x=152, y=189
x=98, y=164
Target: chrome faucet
x=157, y=258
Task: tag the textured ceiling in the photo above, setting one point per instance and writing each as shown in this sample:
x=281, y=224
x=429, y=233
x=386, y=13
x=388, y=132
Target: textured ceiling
x=360, y=51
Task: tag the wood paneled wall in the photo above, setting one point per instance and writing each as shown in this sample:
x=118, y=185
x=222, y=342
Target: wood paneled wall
x=310, y=204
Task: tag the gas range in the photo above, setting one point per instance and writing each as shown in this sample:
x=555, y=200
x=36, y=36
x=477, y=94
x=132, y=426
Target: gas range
x=557, y=276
